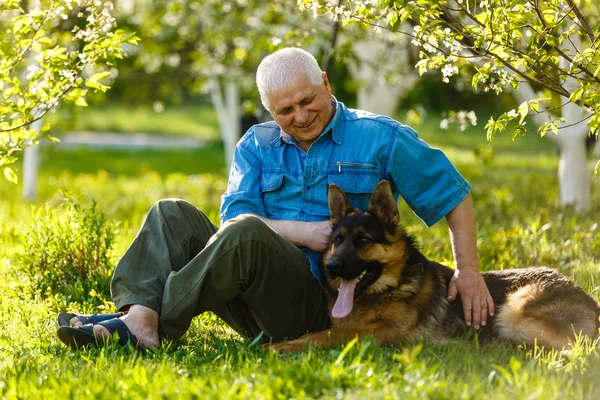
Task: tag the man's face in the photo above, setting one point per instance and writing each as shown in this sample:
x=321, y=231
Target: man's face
x=302, y=110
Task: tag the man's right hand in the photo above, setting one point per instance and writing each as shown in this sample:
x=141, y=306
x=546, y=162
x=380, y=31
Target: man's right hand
x=317, y=236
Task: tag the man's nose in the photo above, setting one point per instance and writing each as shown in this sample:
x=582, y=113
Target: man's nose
x=301, y=115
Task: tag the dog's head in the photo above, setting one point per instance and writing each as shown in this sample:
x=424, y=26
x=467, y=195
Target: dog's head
x=367, y=247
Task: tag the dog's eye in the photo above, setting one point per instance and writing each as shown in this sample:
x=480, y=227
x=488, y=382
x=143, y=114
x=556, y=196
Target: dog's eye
x=337, y=240
x=365, y=240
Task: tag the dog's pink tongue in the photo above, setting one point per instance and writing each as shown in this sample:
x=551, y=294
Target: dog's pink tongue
x=345, y=298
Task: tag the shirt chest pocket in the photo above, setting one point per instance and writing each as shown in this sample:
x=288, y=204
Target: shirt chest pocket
x=357, y=180
x=272, y=185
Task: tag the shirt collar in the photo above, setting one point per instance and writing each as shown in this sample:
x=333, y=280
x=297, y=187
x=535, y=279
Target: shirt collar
x=336, y=135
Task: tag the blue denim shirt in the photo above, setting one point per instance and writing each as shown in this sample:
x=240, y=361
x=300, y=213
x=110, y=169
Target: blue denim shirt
x=272, y=177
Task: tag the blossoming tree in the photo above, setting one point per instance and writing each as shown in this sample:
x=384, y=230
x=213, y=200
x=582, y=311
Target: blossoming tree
x=545, y=51
x=51, y=51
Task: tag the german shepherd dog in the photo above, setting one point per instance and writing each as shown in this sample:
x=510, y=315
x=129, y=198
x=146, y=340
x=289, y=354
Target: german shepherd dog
x=380, y=285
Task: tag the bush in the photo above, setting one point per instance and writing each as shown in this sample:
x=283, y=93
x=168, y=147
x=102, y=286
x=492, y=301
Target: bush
x=68, y=251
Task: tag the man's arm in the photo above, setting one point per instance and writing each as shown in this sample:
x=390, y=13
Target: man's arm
x=467, y=280
x=313, y=235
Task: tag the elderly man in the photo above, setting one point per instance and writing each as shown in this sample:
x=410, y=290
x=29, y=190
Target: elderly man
x=261, y=271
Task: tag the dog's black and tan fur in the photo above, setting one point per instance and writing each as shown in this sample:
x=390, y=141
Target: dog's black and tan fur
x=401, y=295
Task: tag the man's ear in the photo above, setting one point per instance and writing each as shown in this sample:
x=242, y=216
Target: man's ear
x=339, y=206
x=383, y=206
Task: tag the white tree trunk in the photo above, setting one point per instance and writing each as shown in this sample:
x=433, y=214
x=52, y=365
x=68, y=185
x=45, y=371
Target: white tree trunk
x=376, y=94
x=229, y=115
x=573, y=169
x=31, y=161
x=31, y=154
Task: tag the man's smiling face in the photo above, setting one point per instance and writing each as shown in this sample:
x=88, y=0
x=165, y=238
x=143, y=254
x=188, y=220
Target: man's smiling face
x=303, y=110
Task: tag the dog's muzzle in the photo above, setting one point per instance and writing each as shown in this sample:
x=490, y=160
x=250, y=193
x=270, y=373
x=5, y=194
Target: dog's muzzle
x=333, y=268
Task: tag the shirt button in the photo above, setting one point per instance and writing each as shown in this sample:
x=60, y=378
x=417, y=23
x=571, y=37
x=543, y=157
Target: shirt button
x=303, y=156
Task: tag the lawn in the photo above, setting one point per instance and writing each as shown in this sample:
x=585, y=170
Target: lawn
x=197, y=119
x=519, y=223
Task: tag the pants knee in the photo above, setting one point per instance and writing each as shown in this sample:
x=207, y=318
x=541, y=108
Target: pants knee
x=172, y=207
x=245, y=227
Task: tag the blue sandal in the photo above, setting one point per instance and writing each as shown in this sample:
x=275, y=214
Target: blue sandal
x=64, y=319
x=84, y=336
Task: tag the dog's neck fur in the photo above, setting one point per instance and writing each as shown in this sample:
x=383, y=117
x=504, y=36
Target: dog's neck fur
x=413, y=255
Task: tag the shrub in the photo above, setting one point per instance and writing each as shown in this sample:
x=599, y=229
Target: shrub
x=67, y=252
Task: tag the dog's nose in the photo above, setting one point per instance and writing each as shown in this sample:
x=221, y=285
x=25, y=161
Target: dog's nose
x=334, y=266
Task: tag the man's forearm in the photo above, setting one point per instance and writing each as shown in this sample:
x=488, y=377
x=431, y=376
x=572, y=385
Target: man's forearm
x=292, y=231
x=461, y=221
x=312, y=235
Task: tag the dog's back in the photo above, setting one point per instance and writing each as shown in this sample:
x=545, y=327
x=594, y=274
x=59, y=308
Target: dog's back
x=540, y=304
x=533, y=305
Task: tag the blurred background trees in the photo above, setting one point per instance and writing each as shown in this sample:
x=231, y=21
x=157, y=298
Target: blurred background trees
x=519, y=61
x=544, y=52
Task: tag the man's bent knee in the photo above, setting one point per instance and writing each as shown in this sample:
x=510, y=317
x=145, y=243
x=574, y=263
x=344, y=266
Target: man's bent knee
x=173, y=206
x=246, y=226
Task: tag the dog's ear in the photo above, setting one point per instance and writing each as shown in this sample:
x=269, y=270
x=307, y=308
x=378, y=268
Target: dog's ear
x=339, y=206
x=383, y=206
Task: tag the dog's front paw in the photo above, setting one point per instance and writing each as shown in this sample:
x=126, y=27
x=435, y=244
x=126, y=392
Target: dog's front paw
x=283, y=347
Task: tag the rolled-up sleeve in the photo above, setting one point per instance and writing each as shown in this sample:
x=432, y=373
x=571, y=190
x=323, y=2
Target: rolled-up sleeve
x=243, y=193
x=424, y=176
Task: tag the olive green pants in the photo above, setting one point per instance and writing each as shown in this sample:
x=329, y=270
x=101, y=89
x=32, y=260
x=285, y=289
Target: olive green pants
x=180, y=265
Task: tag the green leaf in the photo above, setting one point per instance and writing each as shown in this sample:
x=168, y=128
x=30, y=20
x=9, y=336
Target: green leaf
x=45, y=40
x=576, y=95
x=597, y=168
x=97, y=86
x=534, y=105
x=10, y=175
x=7, y=160
x=99, y=76
x=523, y=110
x=80, y=101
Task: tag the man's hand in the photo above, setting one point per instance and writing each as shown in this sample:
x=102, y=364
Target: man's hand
x=476, y=299
x=313, y=235
x=317, y=236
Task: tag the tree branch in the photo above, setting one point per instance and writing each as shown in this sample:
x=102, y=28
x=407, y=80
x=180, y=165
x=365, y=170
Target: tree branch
x=586, y=26
x=14, y=128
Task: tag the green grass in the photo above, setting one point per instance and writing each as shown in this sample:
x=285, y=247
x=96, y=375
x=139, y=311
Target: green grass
x=197, y=120
x=519, y=223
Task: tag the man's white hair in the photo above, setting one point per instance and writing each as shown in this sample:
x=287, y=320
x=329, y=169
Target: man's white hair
x=280, y=69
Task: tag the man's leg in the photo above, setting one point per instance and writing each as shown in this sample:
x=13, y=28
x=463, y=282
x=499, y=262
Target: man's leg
x=253, y=279
x=172, y=234
x=248, y=275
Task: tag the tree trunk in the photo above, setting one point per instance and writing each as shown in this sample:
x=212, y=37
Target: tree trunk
x=31, y=161
x=31, y=154
x=229, y=115
x=573, y=170
x=376, y=94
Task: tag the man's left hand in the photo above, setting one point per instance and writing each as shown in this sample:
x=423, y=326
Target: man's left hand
x=476, y=299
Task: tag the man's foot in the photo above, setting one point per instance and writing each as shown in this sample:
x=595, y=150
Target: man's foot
x=140, y=320
x=65, y=319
